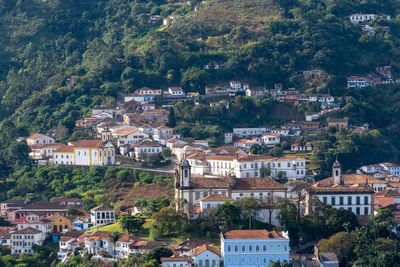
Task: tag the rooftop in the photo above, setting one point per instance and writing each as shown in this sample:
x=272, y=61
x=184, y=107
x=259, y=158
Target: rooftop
x=102, y=207
x=203, y=248
x=216, y=197
x=251, y=234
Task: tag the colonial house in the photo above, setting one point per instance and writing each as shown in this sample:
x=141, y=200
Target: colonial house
x=213, y=201
x=129, y=137
x=39, y=139
x=254, y=247
x=86, y=153
x=41, y=209
x=175, y=91
x=350, y=192
x=206, y=255
x=176, y=261
x=43, y=151
x=60, y=224
x=392, y=168
x=142, y=99
x=235, y=85
x=245, y=143
x=357, y=18
x=148, y=91
x=280, y=132
x=310, y=125
x=102, y=214
x=35, y=222
x=194, y=189
x=248, y=132
x=338, y=123
x=357, y=82
x=163, y=133
x=105, y=110
x=185, y=149
x=156, y=115
x=256, y=92
x=121, y=127
x=271, y=140
x=146, y=147
x=22, y=241
x=306, y=147
x=244, y=165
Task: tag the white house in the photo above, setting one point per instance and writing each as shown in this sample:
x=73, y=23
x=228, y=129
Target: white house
x=271, y=140
x=236, y=85
x=341, y=192
x=43, y=151
x=296, y=147
x=248, y=132
x=129, y=136
x=175, y=91
x=356, y=81
x=86, y=153
x=146, y=147
x=357, y=18
x=22, y=241
x=180, y=261
x=206, y=255
x=245, y=143
x=392, y=168
x=120, y=127
x=39, y=139
x=102, y=214
x=254, y=247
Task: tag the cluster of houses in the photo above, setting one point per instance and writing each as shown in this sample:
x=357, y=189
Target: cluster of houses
x=382, y=76
x=363, y=19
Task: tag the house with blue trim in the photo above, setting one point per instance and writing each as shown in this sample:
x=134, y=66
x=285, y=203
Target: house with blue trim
x=254, y=247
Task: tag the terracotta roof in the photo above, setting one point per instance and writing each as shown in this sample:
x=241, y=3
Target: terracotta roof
x=251, y=234
x=349, y=179
x=387, y=193
x=66, y=199
x=41, y=146
x=265, y=183
x=35, y=136
x=184, y=258
x=240, y=184
x=244, y=141
x=394, y=185
x=28, y=230
x=97, y=143
x=203, y=248
x=221, y=157
x=64, y=149
x=125, y=132
x=44, y=206
x=156, y=111
x=14, y=201
x=216, y=197
x=102, y=207
x=104, y=107
x=336, y=188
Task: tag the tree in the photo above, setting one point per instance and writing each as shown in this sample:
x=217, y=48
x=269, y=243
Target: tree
x=131, y=223
x=171, y=118
x=228, y=215
x=248, y=206
x=342, y=244
x=276, y=151
x=299, y=188
x=255, y=149
x=166, y=154
x=168, y=219
x=114, y=236
x=158, y=253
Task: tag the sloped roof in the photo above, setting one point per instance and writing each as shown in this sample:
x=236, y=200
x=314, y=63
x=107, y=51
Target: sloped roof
x=27, y=230
x=64, y=149
x=251, y=234
x=102, y=207
x=97, y=143
x=216, y=197
x=35, y=136
x=203, y=248
x=147, y=143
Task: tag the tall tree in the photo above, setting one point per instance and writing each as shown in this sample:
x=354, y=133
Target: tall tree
x=299, y=188
x=171, y=118
x=114, y=236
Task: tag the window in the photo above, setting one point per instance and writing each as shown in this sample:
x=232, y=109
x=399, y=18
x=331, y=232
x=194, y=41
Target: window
x=229, y=248
x=243, y=248
x=341, y=200
x=349, y=201
x=236, y=248
x=358, y=210
x=366, y=200
x=366, y=211
x=333, y=200
x=325, y=200
x=358, y=200
x=257, y=248
x=250, y=248
x=264, y=248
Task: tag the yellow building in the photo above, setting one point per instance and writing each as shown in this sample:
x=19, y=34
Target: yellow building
x=60, y=223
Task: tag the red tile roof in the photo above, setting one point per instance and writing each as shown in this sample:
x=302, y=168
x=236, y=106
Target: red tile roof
x=97, y=143
x=216, y=197
x=35, y=136
x=184, y=258
x=251, y=234
x=205, y=247
x=64, y=149
x=27, y=231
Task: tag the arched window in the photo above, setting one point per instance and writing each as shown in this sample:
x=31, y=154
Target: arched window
x=186, y=173
x=337, y=173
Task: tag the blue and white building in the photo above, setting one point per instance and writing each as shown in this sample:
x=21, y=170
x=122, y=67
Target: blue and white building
x=254, y=247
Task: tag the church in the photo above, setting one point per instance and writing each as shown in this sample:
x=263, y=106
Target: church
x=191, y=190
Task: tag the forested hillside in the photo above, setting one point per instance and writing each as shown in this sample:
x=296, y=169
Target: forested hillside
x=113, y=48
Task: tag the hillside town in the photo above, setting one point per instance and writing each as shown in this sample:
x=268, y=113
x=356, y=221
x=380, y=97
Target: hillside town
x=193, y=133
x=206, y=176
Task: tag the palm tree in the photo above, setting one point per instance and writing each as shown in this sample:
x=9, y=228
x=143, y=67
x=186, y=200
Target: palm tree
x=114, y=236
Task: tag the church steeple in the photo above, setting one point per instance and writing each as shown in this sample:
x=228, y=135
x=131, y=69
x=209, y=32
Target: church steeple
x=184, y=173
x=337, y=172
